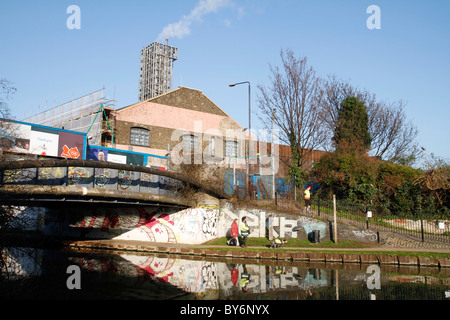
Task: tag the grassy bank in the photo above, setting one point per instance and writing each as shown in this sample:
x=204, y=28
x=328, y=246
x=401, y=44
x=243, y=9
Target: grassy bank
x=255, y=244
x=296, y=243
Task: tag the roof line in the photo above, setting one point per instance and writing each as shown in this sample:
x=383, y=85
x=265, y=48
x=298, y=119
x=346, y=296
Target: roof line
x=179, y=88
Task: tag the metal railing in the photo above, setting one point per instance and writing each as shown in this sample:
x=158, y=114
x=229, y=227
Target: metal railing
x=419, y=227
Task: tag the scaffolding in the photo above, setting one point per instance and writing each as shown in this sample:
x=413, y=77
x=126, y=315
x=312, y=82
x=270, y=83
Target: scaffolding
x=79, y=114
x=156, y=70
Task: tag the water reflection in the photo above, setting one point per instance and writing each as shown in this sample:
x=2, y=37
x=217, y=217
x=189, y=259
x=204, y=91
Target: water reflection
x=42, y=274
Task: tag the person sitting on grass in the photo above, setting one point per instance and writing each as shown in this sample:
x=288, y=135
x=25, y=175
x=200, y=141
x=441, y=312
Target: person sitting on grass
x=277, y=243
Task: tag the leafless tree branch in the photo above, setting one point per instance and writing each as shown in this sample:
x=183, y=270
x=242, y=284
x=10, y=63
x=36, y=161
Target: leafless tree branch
x=293, y=100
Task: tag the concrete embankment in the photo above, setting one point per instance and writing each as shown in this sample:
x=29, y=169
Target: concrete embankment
x=327, y=255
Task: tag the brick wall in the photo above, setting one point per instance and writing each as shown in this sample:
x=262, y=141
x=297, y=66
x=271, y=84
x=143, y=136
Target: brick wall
x=190, y=99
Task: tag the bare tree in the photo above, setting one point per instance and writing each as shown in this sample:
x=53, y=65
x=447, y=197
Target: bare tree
x=292, y=100
x=6, y=130
x=435, y=182
x=6, y=90
x=6, y=142
x=393, y=136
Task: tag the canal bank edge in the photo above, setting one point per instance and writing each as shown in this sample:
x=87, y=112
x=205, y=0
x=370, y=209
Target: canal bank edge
x=285, y=254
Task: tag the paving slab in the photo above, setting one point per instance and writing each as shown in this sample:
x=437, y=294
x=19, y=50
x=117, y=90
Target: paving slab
x=387, y=259
x=408, y=261
x=316, y=256
x=300, y=256
x=282, y=255
x=427, y=262
x=351, y=258
x=369, y=258
x=333, y=257
x=444, y=262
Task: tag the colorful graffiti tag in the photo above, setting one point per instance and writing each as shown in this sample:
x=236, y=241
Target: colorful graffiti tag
x=154, y=224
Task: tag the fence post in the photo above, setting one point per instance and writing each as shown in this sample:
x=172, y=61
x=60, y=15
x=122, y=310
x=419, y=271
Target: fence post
x=335, y=225
x=368, y=215
x=318, y=206
x=421, y=227
x=276, y=198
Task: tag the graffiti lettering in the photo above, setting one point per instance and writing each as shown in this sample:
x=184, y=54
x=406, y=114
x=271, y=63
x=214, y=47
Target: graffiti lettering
x=101, y=177
x=210, y=223
x=371, y=236
x=125, y=179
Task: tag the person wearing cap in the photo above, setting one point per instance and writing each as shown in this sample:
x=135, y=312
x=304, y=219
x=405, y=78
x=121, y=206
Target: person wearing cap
x=307, y=193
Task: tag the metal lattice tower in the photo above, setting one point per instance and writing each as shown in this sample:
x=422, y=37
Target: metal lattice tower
x=156, y=68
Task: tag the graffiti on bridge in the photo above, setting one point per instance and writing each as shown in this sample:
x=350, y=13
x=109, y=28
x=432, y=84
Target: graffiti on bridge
x=154, y=224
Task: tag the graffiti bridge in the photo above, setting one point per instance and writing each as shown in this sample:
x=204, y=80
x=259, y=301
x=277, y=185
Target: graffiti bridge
x=43, y=182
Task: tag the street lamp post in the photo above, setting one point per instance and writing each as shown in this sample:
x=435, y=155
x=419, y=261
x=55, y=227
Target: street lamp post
x=249, y=131
x=272, y=159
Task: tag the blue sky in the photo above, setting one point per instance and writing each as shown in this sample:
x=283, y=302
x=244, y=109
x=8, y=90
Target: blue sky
x=226, y=41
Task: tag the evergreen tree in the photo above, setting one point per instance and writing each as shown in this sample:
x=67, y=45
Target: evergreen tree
x=352, y=130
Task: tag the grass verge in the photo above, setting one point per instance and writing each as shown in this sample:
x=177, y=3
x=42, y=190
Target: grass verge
x=255, y=244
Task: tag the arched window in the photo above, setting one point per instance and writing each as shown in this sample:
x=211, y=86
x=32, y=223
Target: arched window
x=140, y=137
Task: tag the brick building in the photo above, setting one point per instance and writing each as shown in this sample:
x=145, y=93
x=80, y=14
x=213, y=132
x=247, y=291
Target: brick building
x=185, y=117
x=179, y=118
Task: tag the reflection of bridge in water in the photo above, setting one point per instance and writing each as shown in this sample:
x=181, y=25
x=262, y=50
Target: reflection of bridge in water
x=43, y=182
x=132, y=275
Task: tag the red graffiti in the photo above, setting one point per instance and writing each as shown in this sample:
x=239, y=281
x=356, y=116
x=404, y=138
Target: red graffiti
x=154, y=220
x=150, y=219
x=70, y=153
x=109, y=222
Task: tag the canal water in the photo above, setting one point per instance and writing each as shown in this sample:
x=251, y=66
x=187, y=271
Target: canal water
x=61, y=274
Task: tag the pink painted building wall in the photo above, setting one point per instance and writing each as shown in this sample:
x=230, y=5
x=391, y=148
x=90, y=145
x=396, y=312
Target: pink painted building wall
x=182, y=110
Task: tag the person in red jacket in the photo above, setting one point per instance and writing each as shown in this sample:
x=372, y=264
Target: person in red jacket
x=234, y=233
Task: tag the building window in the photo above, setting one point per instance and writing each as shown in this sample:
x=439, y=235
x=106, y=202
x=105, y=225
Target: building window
x=212, y=146
x=140, y=137
x=231, y=148
x=190, y=142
